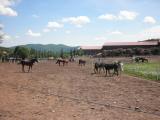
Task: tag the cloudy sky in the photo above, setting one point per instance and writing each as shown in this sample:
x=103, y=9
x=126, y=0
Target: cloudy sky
x=78, y=22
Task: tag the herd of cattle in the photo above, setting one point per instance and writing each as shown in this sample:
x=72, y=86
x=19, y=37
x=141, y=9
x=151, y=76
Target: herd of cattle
x=114, y=68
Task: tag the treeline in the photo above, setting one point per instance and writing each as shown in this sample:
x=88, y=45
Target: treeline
x=131, y=52
x=4, y=51
x=24, y=52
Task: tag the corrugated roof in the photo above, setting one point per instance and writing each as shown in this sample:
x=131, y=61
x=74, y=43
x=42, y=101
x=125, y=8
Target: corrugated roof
x=91, y=47
x=129, y=43
x=150, y=40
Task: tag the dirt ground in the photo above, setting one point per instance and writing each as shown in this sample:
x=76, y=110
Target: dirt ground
x=72, y=92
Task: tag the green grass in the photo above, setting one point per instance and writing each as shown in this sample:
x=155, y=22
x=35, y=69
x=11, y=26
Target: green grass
x=145, y=70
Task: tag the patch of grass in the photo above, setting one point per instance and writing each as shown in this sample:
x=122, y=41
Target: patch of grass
x=145, y=70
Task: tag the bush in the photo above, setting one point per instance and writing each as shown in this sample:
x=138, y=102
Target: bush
x=155, y=51
x=131, y=52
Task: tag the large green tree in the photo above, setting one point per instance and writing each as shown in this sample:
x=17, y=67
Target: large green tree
x=21, y=52
x=1, y=34
x=62, y=53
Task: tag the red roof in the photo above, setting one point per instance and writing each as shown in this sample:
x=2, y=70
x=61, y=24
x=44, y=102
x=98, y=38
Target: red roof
x=90, y=47
x=129, y=43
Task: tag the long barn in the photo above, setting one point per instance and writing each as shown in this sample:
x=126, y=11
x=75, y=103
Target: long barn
x=93, y=50
x=125, y=45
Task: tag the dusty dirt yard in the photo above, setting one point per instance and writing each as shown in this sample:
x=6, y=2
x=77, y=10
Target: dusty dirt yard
x=72, y=92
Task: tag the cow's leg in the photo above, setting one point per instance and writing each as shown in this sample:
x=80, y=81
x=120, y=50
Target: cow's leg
x=23, y=68
x=103, y=69
x=95, y=70
x=117, y=72
x=106, y=72
x=100, y=69
x=29, y=68
x=109, y=72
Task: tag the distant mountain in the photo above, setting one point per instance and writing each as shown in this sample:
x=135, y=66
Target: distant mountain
x=50, y=47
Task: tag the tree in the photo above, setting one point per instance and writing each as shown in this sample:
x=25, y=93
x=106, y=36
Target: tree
x=74, y=52
x=21, y=52
x=71, y=53
x=80, y=52
x=147, y=51
x=138, y=51
x=62, y=53
x=32, y=52
x=1, y=38
x=155, y=51
x=129, y=52
x=1, y=34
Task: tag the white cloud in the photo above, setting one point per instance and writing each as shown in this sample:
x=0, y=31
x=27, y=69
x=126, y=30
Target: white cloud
x=117, y=32
x=123, y=15
x=77, y=21
x=150, y=20
x=35, y=16
x=3, y=36
x=6, y=37
x=67, y=32
x=127, y=15
x=1, y=32
x=17, y=36
x=5, y=8
x=151, y=32
x=46, y=30
x=108, y=17
x=54, y=25
x=100, y=38
x=31, y=33
x=1, y=26
x=7, y=2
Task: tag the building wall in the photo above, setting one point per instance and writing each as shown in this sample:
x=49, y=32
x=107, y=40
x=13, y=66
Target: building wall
x=91, y=52
x=125, y=47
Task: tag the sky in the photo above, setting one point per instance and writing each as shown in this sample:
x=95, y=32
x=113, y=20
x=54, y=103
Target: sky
x=78, y=22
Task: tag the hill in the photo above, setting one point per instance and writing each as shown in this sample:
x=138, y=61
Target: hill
x=50, y=47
